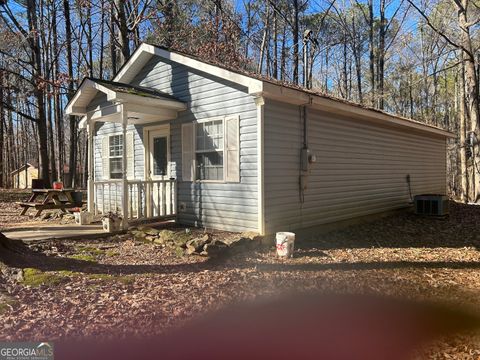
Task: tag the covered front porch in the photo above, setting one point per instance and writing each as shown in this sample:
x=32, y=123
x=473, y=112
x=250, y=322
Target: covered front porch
x=138, y=132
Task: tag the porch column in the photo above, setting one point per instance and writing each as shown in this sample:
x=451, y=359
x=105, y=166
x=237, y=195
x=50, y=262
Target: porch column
x=91, y=168
x=124, y=116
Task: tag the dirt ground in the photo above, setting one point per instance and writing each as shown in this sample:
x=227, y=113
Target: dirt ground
x=117, y=286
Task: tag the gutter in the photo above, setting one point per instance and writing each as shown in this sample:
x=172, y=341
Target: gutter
x=353, y=111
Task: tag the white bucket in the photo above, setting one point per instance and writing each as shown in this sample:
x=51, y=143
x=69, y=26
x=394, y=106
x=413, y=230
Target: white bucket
x=285, y=243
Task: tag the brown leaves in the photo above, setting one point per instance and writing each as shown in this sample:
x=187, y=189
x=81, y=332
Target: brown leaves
x=141, y=289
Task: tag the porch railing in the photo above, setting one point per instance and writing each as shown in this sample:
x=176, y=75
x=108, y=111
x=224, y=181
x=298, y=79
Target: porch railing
x=147, y=199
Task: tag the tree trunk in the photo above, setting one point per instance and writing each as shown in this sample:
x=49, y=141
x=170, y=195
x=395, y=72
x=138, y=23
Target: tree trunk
x=371, y=48
x=89, y=39
x=471, y=94
x=295, y=40
x=113, y=46
x=72, y=120
x=51, y=138
x=2, y=132
x=43, y=172
x=169, y=16
x=381, y=57
x=264, y=41
x=123, y=31
x=283, y=59
x=462, y=138
x=57, y=100
x=358, y=60
x=275, y=46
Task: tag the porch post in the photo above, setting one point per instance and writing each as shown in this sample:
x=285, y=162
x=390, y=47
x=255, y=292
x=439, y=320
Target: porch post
x=91, y=168
x=124, y=115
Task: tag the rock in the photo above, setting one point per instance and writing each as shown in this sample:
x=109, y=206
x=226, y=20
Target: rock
x=150, y=231
x=151, y=238
x=166, y=235
x=179, y=251
x=158, y=241
x=14, y=274
x=139, y=235
x=196, y=245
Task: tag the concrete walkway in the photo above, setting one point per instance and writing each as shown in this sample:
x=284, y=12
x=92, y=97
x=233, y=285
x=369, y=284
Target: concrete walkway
x=50, y=232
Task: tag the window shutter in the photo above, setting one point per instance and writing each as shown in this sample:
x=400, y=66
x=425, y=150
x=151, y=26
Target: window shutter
x=129, y=143
x=188, y=151
x=105, y=158
x=232, y=149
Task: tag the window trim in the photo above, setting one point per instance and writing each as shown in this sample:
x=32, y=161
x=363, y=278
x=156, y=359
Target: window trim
x=201, y=121
x=114, y=157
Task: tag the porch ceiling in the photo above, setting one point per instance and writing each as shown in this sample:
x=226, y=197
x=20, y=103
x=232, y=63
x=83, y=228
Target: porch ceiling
x=142, y=105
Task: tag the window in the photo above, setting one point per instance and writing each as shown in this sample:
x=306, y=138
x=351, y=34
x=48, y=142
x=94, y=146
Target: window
x=209, y=150
x=115, y=156
x=160, y=153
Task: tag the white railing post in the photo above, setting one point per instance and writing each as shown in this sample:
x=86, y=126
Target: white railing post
x=124, y=115
x=148, y=200
x=91, y=168
x=162, y=197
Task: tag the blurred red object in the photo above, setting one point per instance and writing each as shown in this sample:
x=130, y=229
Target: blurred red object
x=301, y=327
x=57, y=185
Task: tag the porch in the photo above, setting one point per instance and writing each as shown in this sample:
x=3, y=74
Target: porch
x=114, y=185
x=146, y=199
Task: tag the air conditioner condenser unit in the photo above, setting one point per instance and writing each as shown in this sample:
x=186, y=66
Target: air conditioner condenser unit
x=431, y=205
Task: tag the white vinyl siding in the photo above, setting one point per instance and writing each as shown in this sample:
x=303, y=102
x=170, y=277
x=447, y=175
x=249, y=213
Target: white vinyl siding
x=227, y=205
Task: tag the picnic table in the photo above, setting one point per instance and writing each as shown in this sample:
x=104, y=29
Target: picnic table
x=48, y=199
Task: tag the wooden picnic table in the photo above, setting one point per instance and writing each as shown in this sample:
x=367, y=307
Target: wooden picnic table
x=52, y=199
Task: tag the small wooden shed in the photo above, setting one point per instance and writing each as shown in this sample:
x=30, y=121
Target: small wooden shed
x=22, y=177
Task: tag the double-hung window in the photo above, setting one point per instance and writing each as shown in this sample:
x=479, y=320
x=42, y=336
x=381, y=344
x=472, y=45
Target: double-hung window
x=115, y=156
x=209, y=150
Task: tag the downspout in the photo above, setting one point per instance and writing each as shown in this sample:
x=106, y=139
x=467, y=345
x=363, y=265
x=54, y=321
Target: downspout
x=305, y=156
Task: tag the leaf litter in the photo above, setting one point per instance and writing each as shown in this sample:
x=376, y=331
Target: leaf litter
x=138, y=288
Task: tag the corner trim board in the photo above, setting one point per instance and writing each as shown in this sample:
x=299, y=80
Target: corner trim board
x=260, y=103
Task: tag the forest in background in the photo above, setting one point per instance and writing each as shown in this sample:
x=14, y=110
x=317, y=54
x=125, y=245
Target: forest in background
x=415, y=58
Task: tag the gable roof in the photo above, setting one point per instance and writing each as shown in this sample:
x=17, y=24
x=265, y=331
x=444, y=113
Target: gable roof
x=23, y=167
x=261, y=86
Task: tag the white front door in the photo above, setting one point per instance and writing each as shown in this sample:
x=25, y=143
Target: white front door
x=159, y=169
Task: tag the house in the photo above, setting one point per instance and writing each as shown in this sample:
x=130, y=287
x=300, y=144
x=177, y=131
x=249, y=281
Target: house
x=22, y=177
x=174, y=136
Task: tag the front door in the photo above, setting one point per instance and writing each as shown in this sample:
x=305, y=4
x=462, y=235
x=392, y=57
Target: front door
x=159, y=154
x=159, y=158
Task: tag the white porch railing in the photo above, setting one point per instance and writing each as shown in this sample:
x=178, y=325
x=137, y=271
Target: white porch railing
x=147, y=199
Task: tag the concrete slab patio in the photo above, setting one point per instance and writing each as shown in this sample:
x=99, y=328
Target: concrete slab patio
x=69, y=231
x=49, y=232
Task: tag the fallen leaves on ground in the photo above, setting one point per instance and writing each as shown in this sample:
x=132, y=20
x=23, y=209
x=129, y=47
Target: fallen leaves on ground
x=130, y=288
